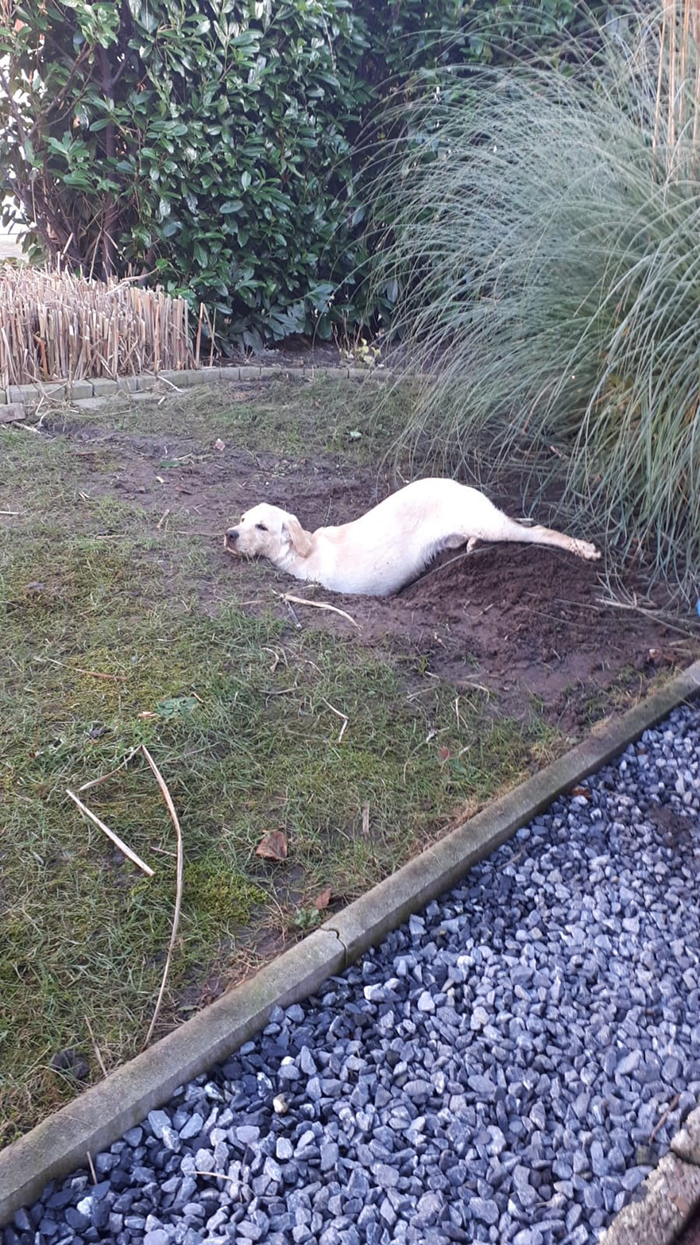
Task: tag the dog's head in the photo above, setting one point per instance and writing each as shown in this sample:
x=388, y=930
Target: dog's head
x=268, y=532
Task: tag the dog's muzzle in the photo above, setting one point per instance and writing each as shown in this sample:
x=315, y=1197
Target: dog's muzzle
x=231, y=539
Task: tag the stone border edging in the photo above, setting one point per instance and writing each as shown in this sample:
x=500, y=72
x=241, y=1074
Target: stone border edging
x=99, y=1116
x=669, y=1196
x=101, y=387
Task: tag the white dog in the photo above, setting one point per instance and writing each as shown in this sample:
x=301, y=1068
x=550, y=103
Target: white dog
x=391, y=544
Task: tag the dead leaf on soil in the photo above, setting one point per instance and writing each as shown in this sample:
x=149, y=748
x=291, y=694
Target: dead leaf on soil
x=272, y=846
x=444, y=754
x=322, y=901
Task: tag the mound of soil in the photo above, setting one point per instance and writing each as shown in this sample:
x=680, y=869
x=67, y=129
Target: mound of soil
x=522, y=621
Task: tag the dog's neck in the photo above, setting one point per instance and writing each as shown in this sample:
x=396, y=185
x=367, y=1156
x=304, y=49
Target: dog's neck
x=294, y=564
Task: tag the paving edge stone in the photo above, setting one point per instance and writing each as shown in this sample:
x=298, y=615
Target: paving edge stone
x=686, y=1143
x=98, y=1117
x=80, y=391
x=661, y=1208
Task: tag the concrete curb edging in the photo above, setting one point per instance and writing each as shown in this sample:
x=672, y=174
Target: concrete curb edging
x=668, y=1198
x=102, y=387
x=100, y=1116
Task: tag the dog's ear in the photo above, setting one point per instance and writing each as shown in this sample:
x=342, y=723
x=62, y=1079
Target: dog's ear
x=300, y=539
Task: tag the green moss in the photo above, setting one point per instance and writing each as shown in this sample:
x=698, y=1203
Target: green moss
x=220, y=896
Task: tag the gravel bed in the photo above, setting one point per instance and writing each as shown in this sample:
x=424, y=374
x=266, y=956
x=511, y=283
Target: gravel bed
x=504, y=1068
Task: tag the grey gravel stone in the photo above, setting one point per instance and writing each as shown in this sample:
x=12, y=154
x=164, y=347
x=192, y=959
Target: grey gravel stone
x=329, y=1155
x=484, y=1210
x=192, y=1127
x=158, y=1121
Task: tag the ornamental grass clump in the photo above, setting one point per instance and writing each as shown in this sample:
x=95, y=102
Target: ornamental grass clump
x=547, y=254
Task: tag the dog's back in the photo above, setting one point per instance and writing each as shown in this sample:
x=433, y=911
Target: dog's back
x=394, y=542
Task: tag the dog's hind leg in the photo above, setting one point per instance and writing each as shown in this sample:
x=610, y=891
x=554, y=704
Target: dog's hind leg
x=491, y=524
x=510, y=530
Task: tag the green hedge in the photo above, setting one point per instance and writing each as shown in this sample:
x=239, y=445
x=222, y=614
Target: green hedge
x=209, y=143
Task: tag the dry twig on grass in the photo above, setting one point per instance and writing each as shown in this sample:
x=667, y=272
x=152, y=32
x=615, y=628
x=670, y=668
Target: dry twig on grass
x=178, y=887
x=110, y=834
x=318, y=605
x=137, y=860
x=193, y=531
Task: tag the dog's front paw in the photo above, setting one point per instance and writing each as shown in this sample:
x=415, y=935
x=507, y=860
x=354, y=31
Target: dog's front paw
x=586, y=550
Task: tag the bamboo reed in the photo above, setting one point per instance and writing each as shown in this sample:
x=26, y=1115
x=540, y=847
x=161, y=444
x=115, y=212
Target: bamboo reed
x=59, y=326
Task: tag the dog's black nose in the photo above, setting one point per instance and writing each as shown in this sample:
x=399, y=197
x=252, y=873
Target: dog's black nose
x=232, y=535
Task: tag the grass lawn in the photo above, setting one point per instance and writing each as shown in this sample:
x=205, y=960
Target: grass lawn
x=117, y=631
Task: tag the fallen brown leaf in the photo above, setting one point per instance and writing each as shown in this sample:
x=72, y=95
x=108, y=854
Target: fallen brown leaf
x=322, y=901
x=272, y=846
x=583, y=791
x=444, y=754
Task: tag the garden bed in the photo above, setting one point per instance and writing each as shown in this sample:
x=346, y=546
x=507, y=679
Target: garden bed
x=125, y=622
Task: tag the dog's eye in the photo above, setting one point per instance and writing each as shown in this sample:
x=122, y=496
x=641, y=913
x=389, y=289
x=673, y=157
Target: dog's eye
x=261, y=526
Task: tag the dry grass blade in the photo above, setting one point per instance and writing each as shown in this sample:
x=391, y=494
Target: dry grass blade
x=344, y=717
x=178, y=887
x=94, y=674
x=95, y=782
x=319, y=605
x=98, y=1054
x=365, y=820
x=215, y=1175
x=110, y=834
x=657, y=1127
